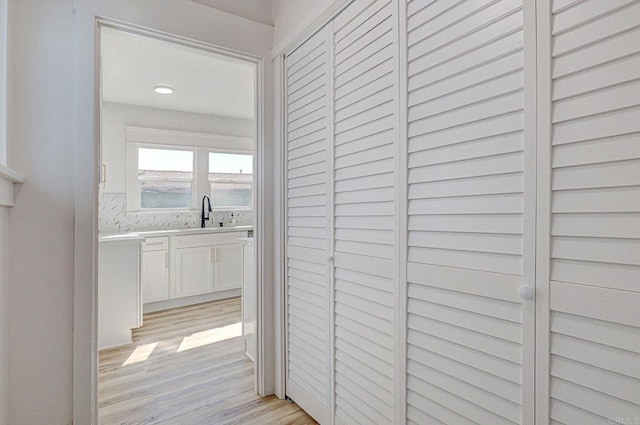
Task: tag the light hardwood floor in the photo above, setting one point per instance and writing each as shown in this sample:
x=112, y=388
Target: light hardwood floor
x=187, y=367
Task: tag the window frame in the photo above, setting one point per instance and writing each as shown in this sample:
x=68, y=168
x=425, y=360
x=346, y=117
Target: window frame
x=233, y=181
x=200, y=183
x=134, y=183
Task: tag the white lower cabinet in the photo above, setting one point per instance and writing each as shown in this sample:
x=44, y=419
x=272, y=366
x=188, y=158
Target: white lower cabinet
x=155, y=276
x=119, y=300
x=227, y=266
x=194, y=271
x=183, y=266
x=249, y=292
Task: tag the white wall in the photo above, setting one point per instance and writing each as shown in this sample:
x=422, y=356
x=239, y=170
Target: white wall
x=51, y=235
x=41, y=223
x=113, y=217
x=292, y=17
x=116, y=117
x=257, y=10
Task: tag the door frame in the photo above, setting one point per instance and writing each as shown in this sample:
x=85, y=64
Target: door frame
x=85, y=281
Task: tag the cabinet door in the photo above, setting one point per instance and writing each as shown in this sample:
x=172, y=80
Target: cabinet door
x=228, y=266
x=194, y=271
x=249, y=291
x=155, y=276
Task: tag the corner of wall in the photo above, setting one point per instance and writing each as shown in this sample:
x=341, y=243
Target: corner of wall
x=303, y=18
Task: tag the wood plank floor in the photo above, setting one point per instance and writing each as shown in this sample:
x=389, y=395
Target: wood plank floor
x=187, y=367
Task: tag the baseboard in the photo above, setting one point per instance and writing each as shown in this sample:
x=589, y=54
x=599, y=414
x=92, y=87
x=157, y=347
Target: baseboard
x=196, y=299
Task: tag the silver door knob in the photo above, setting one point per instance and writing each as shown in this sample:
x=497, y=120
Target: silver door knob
x=527, y=292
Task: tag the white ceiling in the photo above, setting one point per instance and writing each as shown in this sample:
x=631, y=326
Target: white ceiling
x=204, y=83
x=256, y=10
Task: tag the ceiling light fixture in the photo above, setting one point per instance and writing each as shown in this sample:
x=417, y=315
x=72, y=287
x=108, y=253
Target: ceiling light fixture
x=163, y=90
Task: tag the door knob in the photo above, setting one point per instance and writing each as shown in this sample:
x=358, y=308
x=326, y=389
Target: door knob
x=527, y=292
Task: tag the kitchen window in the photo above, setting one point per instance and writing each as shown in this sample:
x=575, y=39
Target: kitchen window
x=231, y=180
x=167, y=177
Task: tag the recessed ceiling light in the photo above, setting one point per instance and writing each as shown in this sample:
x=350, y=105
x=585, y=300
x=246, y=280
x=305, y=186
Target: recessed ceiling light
x=163, y=90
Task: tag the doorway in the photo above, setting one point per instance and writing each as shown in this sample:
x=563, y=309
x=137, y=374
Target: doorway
x=177, y=206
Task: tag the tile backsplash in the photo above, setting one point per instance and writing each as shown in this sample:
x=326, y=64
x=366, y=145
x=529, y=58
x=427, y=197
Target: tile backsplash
x=113, y=217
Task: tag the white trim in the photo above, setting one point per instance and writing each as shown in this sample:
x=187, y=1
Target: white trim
x=314, y=22
x=263, y=259
x=285, y=221
x=401, y=223
x=280, y=241
x=331, y=193
x=218, y=142
x=10, y=175
x=8, y=179
x=85, y=394
x=178, y=39
x=4, y=76
x=543, y=210
x=529, y=216
x=194, y=299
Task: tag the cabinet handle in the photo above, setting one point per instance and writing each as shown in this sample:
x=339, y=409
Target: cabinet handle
x=215, y=254
x=166, y=260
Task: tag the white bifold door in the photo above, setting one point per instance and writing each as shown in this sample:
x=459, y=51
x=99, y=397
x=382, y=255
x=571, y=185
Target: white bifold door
x=308, y=135
x=471, y=214
x=463, y=213
x=342, y=265
x=365, y=270
x=589, y=249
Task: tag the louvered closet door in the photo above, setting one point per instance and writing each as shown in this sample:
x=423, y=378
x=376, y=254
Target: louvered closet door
x=364, y=213
x=595, y=213
x=308, y=192
x=471, y=220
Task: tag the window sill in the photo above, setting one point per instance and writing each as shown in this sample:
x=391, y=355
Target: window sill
x=8, y=178
x=231, y=209
x=190, y=211
x=165, y=210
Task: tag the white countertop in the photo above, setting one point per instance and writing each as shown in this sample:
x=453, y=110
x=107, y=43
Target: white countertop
x=140, y=236
x=123, y=237
x=247, y=241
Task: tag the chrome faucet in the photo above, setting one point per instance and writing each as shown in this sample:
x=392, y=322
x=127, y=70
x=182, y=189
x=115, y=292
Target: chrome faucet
x=202, y=216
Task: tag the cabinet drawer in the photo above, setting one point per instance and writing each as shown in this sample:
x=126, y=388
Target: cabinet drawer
x=190, y=241
x=156, y=244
